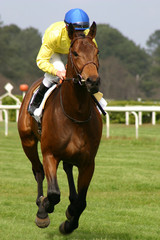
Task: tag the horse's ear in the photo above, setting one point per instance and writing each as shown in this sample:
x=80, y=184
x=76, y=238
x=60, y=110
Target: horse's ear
x=92, y=31
x=71, y=31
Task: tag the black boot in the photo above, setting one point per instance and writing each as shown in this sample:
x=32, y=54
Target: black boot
x=37, y=99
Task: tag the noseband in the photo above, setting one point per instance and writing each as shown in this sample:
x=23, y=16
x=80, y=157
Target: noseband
x=78, y=71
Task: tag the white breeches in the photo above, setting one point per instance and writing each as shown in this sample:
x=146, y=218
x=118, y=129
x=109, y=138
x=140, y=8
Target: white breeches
x=58, y=64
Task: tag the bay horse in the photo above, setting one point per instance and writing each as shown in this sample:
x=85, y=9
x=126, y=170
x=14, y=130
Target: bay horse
x=71, y=131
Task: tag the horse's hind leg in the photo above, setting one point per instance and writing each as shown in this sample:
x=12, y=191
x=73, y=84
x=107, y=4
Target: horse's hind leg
x=68, y=168
x=30, y=148
x=84, y=178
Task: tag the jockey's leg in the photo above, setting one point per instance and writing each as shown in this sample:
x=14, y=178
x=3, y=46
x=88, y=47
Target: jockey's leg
x=37, y=98
x=101, y=100
x=103, y=103
x=47, y=82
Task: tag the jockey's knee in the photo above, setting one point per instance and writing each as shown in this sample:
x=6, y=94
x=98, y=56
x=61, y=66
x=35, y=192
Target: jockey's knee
x=49, y=80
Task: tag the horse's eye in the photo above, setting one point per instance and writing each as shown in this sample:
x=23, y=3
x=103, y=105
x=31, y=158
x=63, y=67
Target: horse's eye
x=75, y=54
x=98, y=52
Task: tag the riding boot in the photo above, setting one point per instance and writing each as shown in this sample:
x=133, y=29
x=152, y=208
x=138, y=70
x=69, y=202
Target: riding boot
x=37, y=99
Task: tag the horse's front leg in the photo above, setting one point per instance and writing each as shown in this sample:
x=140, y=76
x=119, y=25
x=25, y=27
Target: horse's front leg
x=46, y=205
x=78, y=206
x=68, y=168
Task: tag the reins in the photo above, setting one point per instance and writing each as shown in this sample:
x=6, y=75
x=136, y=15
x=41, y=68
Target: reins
x=80, y=81
x=68, y=116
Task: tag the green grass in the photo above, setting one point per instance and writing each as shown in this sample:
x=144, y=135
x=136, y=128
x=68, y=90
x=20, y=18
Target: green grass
x=123, y=198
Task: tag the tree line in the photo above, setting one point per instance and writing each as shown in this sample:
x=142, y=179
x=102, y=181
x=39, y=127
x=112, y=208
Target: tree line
x=127, y=71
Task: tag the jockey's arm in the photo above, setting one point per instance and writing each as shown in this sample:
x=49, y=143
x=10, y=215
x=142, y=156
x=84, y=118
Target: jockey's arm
x=43, y=58
x=47, y=50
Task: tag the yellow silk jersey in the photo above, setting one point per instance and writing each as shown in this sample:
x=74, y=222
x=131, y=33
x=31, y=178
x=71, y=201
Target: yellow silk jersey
x=55, y=40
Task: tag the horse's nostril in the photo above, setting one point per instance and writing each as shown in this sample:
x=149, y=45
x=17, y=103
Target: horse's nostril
x=89, y=81
x=98, y=81
x=93, y=82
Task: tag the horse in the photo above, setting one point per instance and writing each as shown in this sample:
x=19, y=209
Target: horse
x=71, y=129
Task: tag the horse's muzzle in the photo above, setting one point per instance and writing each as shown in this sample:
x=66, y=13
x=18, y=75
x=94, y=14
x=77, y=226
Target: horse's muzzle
x=93, y=85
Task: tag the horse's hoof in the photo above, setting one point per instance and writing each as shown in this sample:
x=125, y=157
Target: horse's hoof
x=68, y=216
x=42, y=223
x=64, y=228
x=61, y=228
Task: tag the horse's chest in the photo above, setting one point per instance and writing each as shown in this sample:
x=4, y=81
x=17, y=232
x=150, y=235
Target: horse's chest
x=79, y=141
x=78, y=144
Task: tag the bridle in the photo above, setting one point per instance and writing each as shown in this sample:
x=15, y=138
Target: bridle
x=78, y=72
x=79, y=80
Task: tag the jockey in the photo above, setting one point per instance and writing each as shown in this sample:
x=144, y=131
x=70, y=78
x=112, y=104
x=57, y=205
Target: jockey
x=56, y=42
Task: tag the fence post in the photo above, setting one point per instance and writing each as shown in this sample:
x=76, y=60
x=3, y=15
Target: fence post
x=127, y=118
x=107, y=124
x=153, y=118
x=140, y=118
x=136, y=123
x=6, y=121
x=1, y=117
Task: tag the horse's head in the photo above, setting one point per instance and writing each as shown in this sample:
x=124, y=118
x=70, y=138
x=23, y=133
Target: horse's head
x=84, y=57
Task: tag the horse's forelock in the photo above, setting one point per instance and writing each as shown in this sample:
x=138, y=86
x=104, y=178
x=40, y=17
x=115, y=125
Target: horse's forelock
x=80, y=34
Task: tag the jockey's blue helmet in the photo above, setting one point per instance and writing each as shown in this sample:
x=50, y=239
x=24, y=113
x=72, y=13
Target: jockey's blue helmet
x=78, y=18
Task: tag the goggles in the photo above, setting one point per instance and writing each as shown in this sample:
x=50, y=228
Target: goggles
x=79, y=25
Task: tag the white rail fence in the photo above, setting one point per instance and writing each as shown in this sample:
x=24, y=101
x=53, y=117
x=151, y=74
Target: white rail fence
x=137, y=111
x=5, y=109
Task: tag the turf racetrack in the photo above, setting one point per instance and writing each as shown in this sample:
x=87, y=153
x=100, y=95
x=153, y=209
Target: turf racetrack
x=123, y=200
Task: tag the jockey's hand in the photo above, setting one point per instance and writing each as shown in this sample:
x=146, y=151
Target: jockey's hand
x=61, y=74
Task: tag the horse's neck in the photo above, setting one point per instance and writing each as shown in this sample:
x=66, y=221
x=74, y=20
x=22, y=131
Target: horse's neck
x=76, y=99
